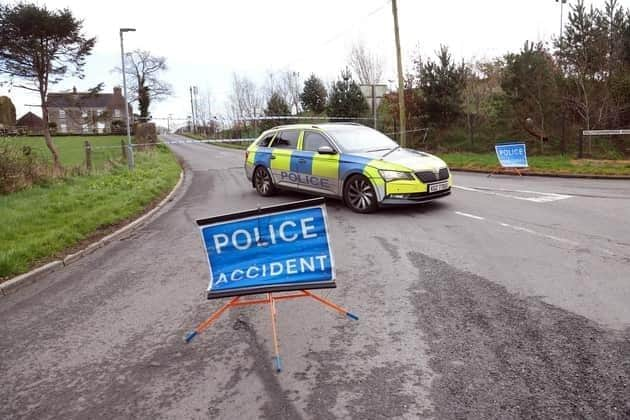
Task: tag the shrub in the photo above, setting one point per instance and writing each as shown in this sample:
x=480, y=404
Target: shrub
x=20, y=167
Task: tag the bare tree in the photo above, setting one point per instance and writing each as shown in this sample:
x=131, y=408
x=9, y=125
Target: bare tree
x=203, y=107
x=286, y=84
x=274, y=84
x=292, y=83
x=144, y=71
x=245, y=101
x=367, y=66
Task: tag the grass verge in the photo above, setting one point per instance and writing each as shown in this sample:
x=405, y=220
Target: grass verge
x=41, y=222
x=557, y=164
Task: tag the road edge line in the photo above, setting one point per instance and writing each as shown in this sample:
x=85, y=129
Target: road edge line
x=30, y=277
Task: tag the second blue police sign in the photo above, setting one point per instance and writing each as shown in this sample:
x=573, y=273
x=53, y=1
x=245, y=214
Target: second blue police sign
x=512, y=155
x=271, y=249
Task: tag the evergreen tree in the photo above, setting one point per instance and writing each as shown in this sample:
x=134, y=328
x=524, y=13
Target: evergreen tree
x=313, y=97
x=276, y=107
x=442, y=84
x=346, y=99
x=530, y=81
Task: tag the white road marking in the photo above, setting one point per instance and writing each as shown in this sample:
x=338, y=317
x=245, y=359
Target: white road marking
x=542, y=235
x=521, y=229
x=542, y=197
x=472, y=216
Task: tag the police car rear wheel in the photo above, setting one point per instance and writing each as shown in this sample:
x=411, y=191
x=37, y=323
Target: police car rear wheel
x=359, y=194
x=263, y=183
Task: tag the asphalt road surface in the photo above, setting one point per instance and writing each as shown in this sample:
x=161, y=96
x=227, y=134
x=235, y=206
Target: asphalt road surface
x=508, y=299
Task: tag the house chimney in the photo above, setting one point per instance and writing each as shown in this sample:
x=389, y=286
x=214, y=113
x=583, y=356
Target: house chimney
x=117, y=91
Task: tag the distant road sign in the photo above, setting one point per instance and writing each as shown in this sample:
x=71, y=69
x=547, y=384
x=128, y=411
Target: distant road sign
x=271, y=249
x=605, y=132
x=512, y=155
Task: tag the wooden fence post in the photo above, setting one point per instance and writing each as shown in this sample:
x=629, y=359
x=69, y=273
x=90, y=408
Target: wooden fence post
x=123, y=147
x=88, y=155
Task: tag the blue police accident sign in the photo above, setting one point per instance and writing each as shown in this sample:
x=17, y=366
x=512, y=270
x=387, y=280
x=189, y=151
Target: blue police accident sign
x=512, y=155
x=277, y=248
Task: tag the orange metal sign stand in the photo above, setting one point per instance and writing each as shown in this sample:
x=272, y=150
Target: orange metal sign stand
x=271, y=300
x=502, y=170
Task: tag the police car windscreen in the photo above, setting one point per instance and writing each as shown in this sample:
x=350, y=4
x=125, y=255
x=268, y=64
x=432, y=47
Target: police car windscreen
x=360, y=139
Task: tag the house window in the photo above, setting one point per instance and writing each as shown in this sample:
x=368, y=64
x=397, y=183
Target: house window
x=62, y=113
x=117, y=113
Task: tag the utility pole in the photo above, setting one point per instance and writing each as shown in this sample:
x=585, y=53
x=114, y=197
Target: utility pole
x=563, y=145
x=373, y=87
x=401, y=87
x=130, y=161
x=192, y=109
x=562, y=2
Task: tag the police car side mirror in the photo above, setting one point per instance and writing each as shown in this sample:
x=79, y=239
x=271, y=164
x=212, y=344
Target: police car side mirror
x=326, y=150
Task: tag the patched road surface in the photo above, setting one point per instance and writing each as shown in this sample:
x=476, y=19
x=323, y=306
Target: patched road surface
x=508, y=299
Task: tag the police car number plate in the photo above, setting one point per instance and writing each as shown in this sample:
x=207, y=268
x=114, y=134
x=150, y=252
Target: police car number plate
x=440, y=186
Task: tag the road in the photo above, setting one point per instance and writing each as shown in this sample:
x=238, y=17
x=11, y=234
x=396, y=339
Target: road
x=508, y=299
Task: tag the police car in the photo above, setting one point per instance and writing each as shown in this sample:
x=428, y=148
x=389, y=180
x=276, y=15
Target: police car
x=362, y=166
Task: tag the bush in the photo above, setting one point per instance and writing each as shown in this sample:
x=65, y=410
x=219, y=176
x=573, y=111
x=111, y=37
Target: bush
x=20, y=167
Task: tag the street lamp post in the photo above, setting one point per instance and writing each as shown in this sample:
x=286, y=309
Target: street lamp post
x=130, y=161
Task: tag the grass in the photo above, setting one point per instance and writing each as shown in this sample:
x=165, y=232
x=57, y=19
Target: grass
x=41, y=222
x=72, y=148
x=556, y=164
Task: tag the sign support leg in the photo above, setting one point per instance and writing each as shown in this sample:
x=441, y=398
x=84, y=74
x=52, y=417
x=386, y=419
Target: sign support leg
x=271, y=301
x=274, y=329
x=332, y=305
x=205, y=324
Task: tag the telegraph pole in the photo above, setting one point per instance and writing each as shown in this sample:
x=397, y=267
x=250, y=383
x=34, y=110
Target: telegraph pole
x=401, y=87
x=192, y=109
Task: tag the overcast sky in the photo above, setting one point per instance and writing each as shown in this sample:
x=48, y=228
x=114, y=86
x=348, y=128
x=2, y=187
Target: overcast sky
x=205, y=42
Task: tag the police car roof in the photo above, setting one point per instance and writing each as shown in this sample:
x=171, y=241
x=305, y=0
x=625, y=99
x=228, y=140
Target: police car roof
x=320, y=126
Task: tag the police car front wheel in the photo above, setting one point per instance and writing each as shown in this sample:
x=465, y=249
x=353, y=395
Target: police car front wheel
x=263, y=183
x=359, y=194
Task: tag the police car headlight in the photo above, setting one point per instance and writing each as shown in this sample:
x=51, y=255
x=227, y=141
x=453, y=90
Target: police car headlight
x=394, y=175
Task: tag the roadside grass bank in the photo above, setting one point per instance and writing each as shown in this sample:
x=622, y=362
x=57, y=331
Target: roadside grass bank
x=555, y=164
x=40, y=222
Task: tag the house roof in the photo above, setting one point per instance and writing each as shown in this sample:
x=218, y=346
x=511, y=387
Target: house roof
x=79, y=100
x=30, y=120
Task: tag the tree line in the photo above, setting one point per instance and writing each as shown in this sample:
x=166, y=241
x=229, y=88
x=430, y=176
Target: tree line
x=545, y=93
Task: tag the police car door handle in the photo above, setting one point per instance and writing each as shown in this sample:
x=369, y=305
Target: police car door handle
x=272, y=157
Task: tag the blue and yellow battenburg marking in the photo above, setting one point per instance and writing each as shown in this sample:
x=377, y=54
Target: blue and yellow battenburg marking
x=337, y=166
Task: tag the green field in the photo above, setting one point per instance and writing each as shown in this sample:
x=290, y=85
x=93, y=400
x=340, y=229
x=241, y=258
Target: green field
x=41, y=222
x=72, y=148
x=557, y=164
